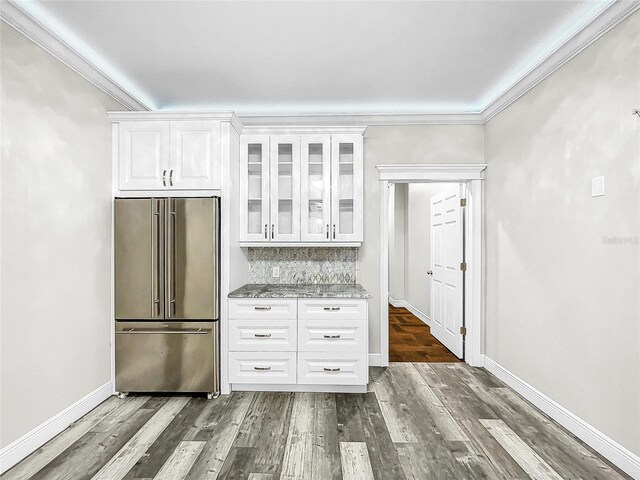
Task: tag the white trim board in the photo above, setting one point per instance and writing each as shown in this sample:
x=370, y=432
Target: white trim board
x=34, y=439
x=606, y=446
x=15, y=15
x=601, y=22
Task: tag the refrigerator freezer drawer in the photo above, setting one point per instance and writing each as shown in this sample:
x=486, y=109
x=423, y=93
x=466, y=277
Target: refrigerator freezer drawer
x=167, y=357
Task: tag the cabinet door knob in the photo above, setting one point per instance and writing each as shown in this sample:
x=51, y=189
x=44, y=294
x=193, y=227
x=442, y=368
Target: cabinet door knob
x=429, y=272
x=262, y=368
x=331, y=369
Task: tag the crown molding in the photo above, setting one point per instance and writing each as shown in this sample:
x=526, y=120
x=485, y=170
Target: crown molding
x=369, y=119
x=15, y=16
x=592, y=31
x=411, y=172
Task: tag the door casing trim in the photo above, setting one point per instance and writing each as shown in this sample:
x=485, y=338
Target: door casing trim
x=472, y=176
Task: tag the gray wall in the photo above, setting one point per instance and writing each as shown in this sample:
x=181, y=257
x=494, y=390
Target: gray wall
x=562, y=304
x=397, y=213
x=404, y=144
x=56, y=210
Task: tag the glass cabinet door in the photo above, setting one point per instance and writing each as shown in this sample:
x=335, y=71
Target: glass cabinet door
x=285, y=189
x=315, y=188
x=254, y=188
x=346, y=188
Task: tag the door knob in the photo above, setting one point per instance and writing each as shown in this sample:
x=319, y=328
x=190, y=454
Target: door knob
x=429, y=272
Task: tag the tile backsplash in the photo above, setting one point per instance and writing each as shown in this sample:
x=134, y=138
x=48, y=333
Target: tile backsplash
x=326, y=265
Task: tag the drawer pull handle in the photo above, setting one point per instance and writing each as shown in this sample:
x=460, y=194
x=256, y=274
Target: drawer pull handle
x=331, y=369
x=332, y=309
x=332, y=336
x=262, y=308
x=262, y=368
x=262, y=335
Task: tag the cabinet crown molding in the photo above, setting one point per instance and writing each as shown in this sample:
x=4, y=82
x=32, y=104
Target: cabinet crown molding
x=303, y=129
x=222, y=116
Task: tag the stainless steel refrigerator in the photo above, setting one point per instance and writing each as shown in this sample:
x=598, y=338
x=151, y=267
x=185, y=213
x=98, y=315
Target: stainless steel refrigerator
x=167, y=294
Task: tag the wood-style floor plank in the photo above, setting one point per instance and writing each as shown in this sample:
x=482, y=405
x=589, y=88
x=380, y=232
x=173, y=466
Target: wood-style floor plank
x=180, y=462
x=128, y=455
x=355, y=461
x=298, y=454
x=529, y=460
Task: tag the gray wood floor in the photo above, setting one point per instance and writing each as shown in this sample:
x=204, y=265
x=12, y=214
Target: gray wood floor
x=418, y=421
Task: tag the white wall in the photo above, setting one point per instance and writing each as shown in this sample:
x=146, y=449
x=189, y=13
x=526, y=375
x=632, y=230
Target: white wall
x=404, y=144
x=56, y=209
x=397, y=241
x=563, y=305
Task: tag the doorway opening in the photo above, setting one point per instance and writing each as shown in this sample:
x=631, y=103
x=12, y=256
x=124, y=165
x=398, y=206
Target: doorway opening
x=426, y=287
x=455, y=279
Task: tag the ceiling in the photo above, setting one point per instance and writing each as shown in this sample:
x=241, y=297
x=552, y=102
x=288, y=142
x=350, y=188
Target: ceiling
x=316, y=57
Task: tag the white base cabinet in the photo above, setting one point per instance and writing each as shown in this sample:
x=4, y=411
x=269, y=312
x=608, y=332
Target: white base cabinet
x=298, y=344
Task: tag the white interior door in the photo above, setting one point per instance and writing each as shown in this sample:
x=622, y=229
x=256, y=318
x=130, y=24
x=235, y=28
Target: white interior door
x=447, y=275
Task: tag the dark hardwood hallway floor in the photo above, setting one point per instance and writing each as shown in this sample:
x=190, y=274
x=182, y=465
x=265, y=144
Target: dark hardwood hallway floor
x=410, y=340
x=418, y=421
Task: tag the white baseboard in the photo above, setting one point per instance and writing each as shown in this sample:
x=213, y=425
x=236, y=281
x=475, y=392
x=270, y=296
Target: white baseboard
x=397, y=303
x=607, y=447
x=374, y=359
x=31, y=441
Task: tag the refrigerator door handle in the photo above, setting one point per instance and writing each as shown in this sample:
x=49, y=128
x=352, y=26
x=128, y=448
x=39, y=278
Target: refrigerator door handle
x=171, y=257
x=157, y=245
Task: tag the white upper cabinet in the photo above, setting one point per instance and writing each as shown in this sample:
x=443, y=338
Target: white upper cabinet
x=315, y=188
x=195, y=155
x=346, y=188
x=173, y=151
x=143, y=155
x=254, y=188
x=304, y=188
x=285, y=188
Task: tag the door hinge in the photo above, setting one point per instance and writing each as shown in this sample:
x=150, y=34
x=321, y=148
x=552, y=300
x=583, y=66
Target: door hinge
x=463, y=330
x=463, y=266
x=463, y=202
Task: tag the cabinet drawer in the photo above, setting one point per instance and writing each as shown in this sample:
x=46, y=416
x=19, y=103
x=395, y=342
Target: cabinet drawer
x=332, y=335
x=272, y=308
x=323, y=368
x=261, y=336
x=332, y=308
x=262, y=367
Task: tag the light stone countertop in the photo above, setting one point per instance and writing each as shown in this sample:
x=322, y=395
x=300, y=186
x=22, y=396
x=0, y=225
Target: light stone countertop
x=261, y=290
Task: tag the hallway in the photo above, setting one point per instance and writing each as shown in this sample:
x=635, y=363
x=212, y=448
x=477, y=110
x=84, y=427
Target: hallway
x=410, y=340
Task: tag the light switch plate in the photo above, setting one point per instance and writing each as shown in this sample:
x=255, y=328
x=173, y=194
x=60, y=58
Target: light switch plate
x=275, y=272
x=597, y=186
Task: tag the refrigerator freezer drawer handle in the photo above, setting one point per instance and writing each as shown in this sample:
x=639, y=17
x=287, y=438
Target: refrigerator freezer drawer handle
x=162, y=332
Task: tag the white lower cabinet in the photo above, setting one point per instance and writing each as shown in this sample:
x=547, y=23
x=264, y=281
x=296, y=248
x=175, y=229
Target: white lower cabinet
x=306, y=342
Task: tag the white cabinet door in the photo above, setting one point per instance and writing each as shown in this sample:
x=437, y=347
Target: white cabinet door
x=315, y=188
x=195, y=155
x=346, y=188
x=143, y=155
x=285, y=188
x=254, y=188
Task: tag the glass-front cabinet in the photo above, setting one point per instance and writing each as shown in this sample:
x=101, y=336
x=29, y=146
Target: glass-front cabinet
x=301, y=188
x=315, y=188
x=346, y=188
x=254, y=188
x=285, y=188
